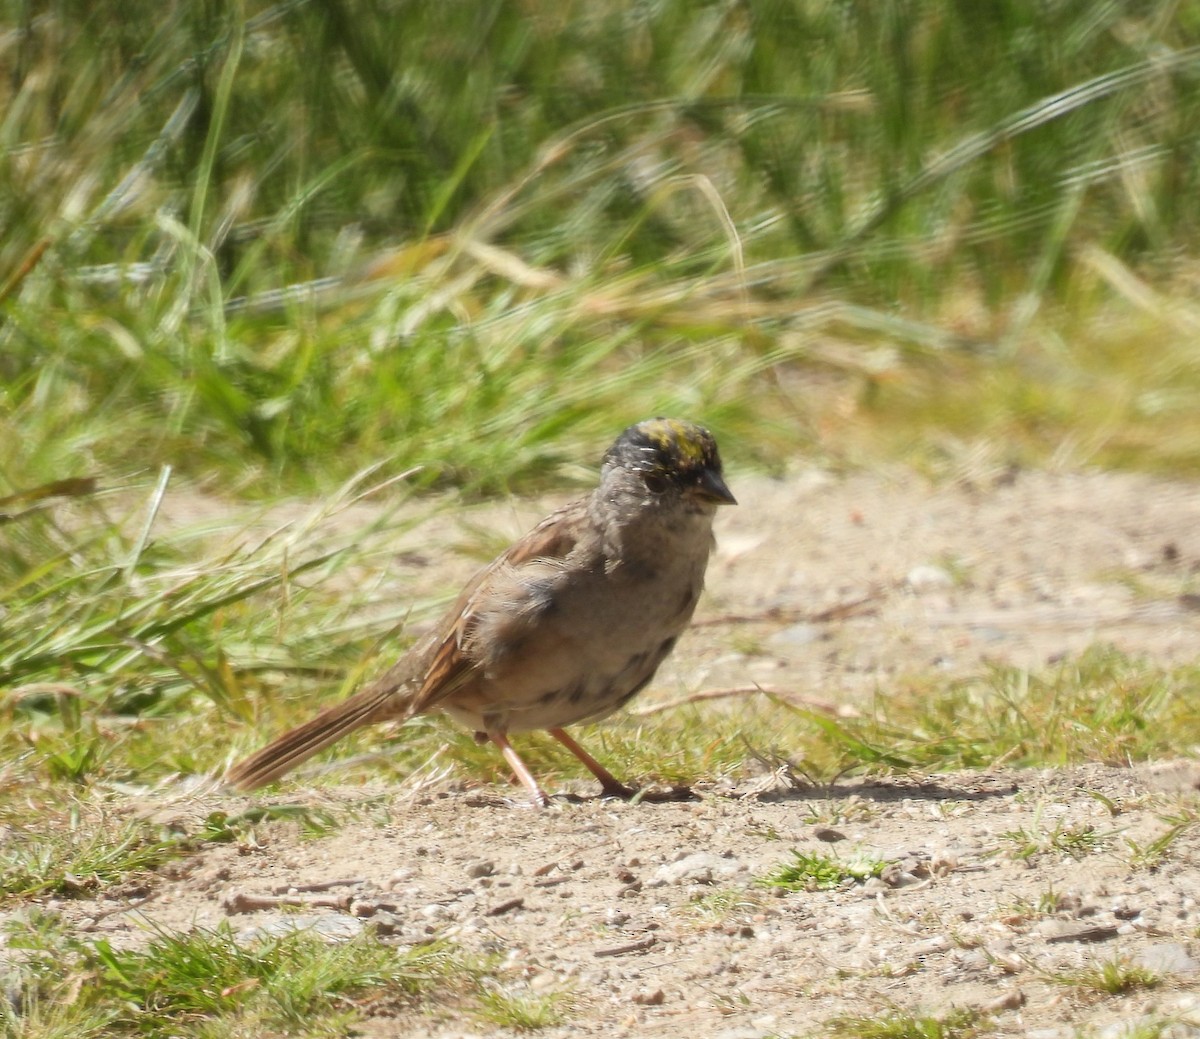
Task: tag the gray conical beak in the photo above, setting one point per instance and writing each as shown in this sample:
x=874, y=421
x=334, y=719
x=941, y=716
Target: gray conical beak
x=711, y=487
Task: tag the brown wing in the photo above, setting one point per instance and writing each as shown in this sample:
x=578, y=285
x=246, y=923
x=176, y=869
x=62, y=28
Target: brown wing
x=449, y=667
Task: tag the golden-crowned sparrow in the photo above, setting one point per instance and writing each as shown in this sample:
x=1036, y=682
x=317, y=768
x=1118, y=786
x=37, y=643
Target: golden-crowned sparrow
x=567, y=625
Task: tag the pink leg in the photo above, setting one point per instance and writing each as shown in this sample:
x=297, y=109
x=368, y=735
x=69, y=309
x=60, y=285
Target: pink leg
x=521, y=770
x=611, y=786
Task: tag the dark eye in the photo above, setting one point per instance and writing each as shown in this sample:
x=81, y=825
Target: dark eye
x=655, y=484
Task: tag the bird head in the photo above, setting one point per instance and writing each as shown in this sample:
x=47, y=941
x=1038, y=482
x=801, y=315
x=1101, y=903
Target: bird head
x=672, y=461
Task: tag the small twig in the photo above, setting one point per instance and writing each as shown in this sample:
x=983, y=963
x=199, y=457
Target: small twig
x=27, y=264
x=1088, y=934
x=242, y=902
x=506, y=907
x=32, y=689
x=134, y=905
x=811, y=702
x=321, y=885
x=849, y=608
x=35, y=498
x=772, y=615
x=621, y=950
x=790, y=615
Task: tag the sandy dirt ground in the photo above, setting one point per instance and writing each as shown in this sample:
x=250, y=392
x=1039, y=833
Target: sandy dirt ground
x=650, y=917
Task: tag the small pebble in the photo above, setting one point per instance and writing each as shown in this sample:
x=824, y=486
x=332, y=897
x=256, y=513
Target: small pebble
x=797, y=635
x=387, y=924
x=543, y=981
x=700, y=867
x=929, y=946
x=400, y=876
x=927, y=578
x=1010, y=1000
x=828, y=834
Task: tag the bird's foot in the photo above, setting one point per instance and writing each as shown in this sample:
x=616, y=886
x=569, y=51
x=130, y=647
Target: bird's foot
x=654, y=795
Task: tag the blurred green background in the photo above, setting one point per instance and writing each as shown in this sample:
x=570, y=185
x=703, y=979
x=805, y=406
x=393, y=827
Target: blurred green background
x=272, y=243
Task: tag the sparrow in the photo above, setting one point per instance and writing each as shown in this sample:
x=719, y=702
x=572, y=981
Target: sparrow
x=566, y=626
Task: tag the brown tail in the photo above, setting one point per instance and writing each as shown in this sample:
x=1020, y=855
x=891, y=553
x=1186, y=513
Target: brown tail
x=301, y=743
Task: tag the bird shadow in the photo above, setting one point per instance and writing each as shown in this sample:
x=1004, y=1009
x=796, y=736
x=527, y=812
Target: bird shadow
x=979, y=787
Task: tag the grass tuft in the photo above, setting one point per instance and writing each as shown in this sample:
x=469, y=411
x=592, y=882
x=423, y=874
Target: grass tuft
x=814, y=871
x=1076, y=840
x=522, y=1011
x=956, y=1024
x=180, y=981
x=40, y=860
x=1155, y=853
x=1112, y=977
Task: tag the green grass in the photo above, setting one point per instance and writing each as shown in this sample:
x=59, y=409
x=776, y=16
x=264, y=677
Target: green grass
x=955, y=1024
x=1112, y=977
x=207, y=983
x=1155, y=853
x=1048, y=903
x=815, y=871
x=1100, y=706
x=77, y=849
x=1077, y=841
x=522, y=1011
x=724, y=903
x=41, y=860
